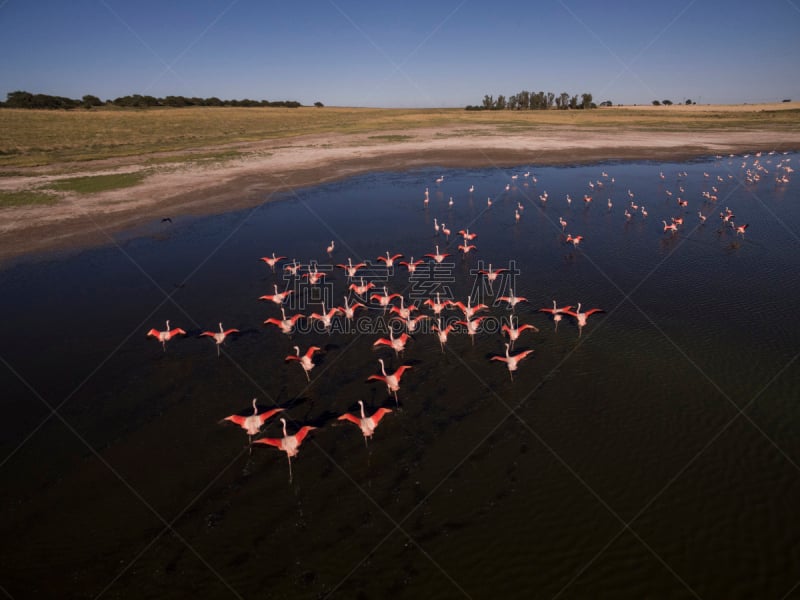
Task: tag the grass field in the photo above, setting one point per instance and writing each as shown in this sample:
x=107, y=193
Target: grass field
x=30, y=138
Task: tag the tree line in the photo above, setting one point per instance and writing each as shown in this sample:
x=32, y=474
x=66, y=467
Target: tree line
x=526, y=100
x=21, y=99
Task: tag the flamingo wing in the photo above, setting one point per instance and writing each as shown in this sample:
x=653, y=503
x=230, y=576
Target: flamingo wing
x=376, y=378
x=266, y=415
x=301, y=435
x=594, y=310
x=277, y=442
x=351, y=418
x=238, y=419
x=400, y=370
x=379, y=414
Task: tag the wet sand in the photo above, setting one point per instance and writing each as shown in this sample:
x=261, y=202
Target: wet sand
x=278, y=166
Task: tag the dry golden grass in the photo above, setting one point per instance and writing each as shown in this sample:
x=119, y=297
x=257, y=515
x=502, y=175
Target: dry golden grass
x=29, y=138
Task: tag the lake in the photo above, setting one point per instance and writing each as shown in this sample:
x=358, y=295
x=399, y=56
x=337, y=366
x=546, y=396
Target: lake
x=653, y=452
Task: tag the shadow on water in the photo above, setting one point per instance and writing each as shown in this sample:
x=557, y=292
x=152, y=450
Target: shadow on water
x=473, y=483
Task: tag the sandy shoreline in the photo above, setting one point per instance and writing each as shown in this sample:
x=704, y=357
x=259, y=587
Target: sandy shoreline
x=277, y=166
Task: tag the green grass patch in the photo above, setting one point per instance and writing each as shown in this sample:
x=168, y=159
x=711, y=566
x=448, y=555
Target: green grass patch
x=26, y=198
x=97, y=183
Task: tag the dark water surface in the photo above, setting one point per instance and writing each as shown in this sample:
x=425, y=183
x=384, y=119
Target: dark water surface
x=654, y=455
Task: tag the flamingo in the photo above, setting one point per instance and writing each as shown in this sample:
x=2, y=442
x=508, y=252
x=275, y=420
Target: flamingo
x=741, y=229
x=644, y=212
x=350, y=269
x=574, y=240
x=349, y=310
x=450, y=202
x=562, y=222
x=440, y=179
x=166, y=335
x=512, y=300
x=219, y=336
x=520, y=207
x=512, y=362
x=412, y=324
x=472, y=326
x=468, y=237
x=398, y=344
x=412, y=264
x=488, y=203
x=442, y=333
x=292, y=268
x=701, y=216
x=471, y=189
x=517, y=216
x=683, y=203
x=392, y=381
x=445, y=231
x=677, y=220
x=305, y=361
x=365, y=423
x=329, y=249
x=361, y=290
x=569, y=200
x=325, y=318
x=582, y=316
x=671, y=227
x=437, y=257
x=389, y=260
x=288, y=443
x=469, y=310
x=252, y=424
x=385, y=299
x=514, y=332
x=610, y=204
x=437, y=305
x=314, y=276
x=272, y=261
x=491, y=275
x=556, y=312
x=402, y=311
x=286, y=325
x=465, y=248
x=436, y=226
x=278, y=297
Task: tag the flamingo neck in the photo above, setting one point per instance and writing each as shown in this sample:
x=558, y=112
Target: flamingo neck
x=363, y=416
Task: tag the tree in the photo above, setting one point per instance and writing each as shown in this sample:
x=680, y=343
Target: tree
x=500, y=103
x=656, y=103
x=688, y=101
x=573, y=101
x=564, y=96
x=586, y=100
x=89, y=100
x=512, y=102
x=318, y=104
x=488, y=102
x=666, y=102
x=550, y=98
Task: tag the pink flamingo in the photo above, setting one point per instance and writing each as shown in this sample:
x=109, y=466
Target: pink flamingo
x=442, y=333
x=392, y=381
x=491, y=275
x=402, y=311
x=412, y=264
x=361, y=290
x=468, y=237
x=326, y=317
x=385, y=298
x=365, y=423
x=437, y=305
x=330, y=248
x=514, y=332
x=512, y=362
x=671, y=227
x=556, y=312
x=389, y=260
x=273, y=260
x=582, y=316
x=314, y=276
x=285, y=325
x=277, y=297
x=574, y=240
x=512, y=300
x=445, y=230
x=219, y=336
x=252, y=424
x=288, y=443
x=350, y=269
x=398, y=344
x=469, y=310
x=412, y=324
x=305, y=361
x=292, y=268
x=741, y=229
x=465, y=248
x=166, y=335
x=438, y=257
x=472, y=326
x=349, y=310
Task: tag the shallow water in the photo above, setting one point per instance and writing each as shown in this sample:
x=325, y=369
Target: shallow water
x=653, y=454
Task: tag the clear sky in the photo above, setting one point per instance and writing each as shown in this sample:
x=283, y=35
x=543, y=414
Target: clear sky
x=405, y=53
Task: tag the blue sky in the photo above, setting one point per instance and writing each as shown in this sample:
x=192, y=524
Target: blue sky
x=403, y=54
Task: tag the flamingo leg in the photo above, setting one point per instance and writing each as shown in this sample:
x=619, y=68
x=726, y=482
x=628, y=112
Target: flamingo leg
x=308, y=377
x=289, y=458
